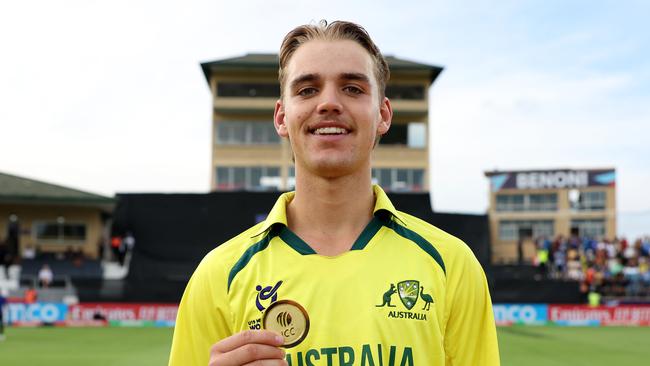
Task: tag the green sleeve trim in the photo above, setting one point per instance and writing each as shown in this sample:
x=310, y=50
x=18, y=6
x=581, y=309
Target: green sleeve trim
x=248, y=254
x=419, y=241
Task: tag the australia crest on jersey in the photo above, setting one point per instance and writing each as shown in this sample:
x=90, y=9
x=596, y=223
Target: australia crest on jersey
x=408, y=292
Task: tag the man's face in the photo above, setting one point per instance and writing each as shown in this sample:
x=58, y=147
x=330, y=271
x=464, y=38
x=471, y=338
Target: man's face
x=331, y=110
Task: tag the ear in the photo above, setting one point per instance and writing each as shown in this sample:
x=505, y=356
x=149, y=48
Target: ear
x=279, y=120
x=386, y=113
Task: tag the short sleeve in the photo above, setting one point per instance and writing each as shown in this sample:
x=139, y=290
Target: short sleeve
x=203, y=315
x=470, y=333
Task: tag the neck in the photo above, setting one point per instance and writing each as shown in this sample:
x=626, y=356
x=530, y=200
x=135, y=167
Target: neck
x=330, y=213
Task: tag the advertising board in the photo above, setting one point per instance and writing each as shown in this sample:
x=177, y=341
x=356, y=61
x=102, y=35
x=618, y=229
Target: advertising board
x=582, y=315
x=527, y=314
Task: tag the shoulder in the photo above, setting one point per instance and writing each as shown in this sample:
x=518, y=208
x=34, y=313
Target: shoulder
x=226, y=255
x=451, y=250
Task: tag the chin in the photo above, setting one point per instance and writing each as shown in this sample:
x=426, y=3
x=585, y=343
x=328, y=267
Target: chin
x=334, y=168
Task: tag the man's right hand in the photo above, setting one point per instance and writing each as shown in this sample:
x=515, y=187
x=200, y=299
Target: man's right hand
x=250, y=347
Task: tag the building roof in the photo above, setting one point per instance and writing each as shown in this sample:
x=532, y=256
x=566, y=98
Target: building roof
x=491, y=173
x=270, y=61
x=15, y=189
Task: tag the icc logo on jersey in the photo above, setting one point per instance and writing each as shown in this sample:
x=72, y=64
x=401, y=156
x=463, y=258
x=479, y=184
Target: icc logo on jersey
x=268, y=292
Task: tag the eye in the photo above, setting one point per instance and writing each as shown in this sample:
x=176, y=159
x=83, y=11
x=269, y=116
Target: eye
x=306, y=92
x=351, y=89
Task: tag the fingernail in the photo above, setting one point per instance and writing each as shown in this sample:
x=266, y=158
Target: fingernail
x=279, y=339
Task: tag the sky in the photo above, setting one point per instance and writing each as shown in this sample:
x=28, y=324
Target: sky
x=109, y=96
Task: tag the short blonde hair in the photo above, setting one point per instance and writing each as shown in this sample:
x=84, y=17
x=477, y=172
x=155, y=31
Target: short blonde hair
x=337, y=30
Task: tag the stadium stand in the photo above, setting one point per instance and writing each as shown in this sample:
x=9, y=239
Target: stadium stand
x=87, y=269
x=174, y=231
x=617, y=269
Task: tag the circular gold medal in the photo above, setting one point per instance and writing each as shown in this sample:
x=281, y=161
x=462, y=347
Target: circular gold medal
x=289, y=319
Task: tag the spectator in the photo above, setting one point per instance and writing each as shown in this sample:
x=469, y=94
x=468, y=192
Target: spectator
x=29, y=252
x=127, y=244
x=45, y=276
x=31, y=295
x=116, y=244
x=631, y=273
x=542, y=261
x=77, y=257
x=560, y=262
x=594, y=297
x=129, y=241
x=574, y=268
x=612, y=267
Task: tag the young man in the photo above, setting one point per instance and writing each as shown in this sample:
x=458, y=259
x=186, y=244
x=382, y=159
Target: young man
x=338, y=274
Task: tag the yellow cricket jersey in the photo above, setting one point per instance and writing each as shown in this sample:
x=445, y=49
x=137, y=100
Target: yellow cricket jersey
x=406, y=293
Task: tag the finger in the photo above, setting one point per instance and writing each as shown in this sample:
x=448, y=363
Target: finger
x=248, y=353
x=247, y=337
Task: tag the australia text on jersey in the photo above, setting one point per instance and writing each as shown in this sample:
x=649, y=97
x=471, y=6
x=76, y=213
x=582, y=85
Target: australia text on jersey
x=367, y=355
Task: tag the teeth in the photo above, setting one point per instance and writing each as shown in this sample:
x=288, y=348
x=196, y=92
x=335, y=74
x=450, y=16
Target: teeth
x=330, y=131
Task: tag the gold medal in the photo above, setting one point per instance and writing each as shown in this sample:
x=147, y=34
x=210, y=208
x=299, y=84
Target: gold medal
x=289, y=319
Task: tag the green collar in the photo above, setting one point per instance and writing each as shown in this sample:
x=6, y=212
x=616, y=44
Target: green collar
x=278, y=214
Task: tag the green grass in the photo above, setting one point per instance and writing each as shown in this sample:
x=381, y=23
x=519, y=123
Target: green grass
x=519, y=345
x=574, y=346
x=86, y=346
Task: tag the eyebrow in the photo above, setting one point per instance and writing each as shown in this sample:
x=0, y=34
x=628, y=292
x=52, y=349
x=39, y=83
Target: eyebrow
x=354, y=76
x=304, y=78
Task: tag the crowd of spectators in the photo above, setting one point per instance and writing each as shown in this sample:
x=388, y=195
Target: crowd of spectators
x=617, y=267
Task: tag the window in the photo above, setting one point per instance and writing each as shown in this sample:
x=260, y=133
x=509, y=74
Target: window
x=396, y=135
x=406, y=92
x=590, y=201
x=239, y=177
x=59, y=231
x=399, y=180
x=542, y=202
x=509, y=230
x=248, y=90
x=412, y=134
x=589, y=228
x=246, y=133
x=510, y=202
x=417, y=135
x=526, y=202
x=257, y=178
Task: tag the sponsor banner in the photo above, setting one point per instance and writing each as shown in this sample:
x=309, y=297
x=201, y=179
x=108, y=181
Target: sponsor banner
x=552, y=179
x=21, y=314
x=114, y=313
x=85, y=323
x=528, y=314
x=141, y=323
x=576, y=315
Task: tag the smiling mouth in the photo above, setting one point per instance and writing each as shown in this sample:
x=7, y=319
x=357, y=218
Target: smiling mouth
x=330, y=131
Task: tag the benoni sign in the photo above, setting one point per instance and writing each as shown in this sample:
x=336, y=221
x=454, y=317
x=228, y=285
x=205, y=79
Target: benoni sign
x=552, y=179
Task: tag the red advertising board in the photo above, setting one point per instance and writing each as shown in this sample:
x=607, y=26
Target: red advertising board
x=635, y=315
x=122, y=312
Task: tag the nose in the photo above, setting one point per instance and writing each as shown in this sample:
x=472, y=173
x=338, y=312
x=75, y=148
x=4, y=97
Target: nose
x=329, y=101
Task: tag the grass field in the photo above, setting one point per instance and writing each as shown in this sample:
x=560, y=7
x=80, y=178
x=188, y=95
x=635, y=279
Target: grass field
x=529, y=346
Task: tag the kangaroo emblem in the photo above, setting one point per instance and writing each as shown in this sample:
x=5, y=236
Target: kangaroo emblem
x=387, y=296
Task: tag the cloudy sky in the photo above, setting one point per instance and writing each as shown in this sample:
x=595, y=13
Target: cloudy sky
x=108, y=96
